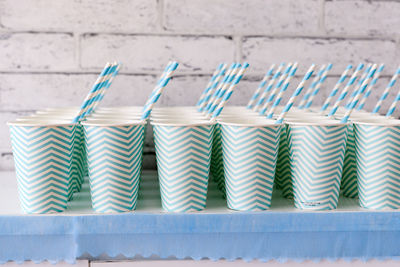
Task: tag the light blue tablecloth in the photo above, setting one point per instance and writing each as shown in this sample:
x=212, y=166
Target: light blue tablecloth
x=281, y=233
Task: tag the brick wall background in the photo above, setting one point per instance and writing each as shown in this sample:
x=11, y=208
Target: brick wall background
x=51, y=50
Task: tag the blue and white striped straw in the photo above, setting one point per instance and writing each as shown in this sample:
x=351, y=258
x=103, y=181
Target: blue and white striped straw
x=345, y=90
x=269, y=87
x=210, y=92
x=392, y=107
x=274, y=91
x=229, y=92
x=256, y=94
x=370, y=87
x=212, y=80
x=101, y=81
x=215, y=94
x=386, y=91
x=160, y=80
x=318, y=87
x=98, y=95
x=335, y=89
x=359, y=83
x=160, y=88
x=281, y=92
x=311, y=87
x=224, y=89
x=359, y=94
x=108, y=84
x=295, y=94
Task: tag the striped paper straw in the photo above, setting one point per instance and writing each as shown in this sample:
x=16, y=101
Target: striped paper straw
x=359, y=83
x=318, y=87
x=99, y=83
x=256, y=94
x=278, y=85
x=345, y=90
x=159, y=90
x=359, y=94
x=218, y=88
x=336, y=88
x=311, y=87
x=281, y=92
x=392, y=108
x=212, y=80
x=295, y=94
x=269, y=87
x=386, y=91
x=209, y=93
x=101, y=96
x=160, y=80
x=224, y=88
x=106, y=83
x=370, y=87
x=229, y=92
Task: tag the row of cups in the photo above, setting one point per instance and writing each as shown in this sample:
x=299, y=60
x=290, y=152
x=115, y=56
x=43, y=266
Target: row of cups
x=306, y=157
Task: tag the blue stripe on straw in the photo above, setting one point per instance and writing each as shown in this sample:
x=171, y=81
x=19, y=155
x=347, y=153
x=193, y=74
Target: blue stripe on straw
x=335, y=88
x=208, y=87
x=344, y=93
x=357, y=96
x=222, y=92
x=218, y=111
x=283, y=89
x=209, y=94
x=99, y=83
x=371, y=85
x=269, y=87
x=158, y=92
x=359, y=83
x=310, y=89
x=294, y=95
x=260, y=87
x=386, y=92
x=318, y=87
x=218, y=89
x=272, y=95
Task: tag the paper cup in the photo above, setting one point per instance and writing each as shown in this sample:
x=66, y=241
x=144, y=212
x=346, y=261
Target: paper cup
x=79, y=169
x=317, y=153
x=283, y=173
x=114, y=153
x=377, y=148
x=250, y=149
x=183, y=150
x=349, y=175
x=43, y=155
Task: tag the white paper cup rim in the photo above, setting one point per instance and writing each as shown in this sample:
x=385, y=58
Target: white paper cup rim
x=41, y=123
x=317, y=123
x=113, y=123
x=247, y=122
x=182, y=123
x=382, y=122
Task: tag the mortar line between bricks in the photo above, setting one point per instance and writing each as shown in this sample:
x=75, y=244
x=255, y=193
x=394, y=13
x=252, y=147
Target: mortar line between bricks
x=210, y=35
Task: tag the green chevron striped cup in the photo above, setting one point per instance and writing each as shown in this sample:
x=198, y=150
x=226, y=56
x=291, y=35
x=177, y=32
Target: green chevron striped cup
x=377, y=149
x=43, y=155
x=114, y=154
x=249, y=153
x=317, y=152
x=183, y=151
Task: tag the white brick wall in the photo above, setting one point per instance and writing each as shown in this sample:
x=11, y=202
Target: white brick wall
x=51, y=50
